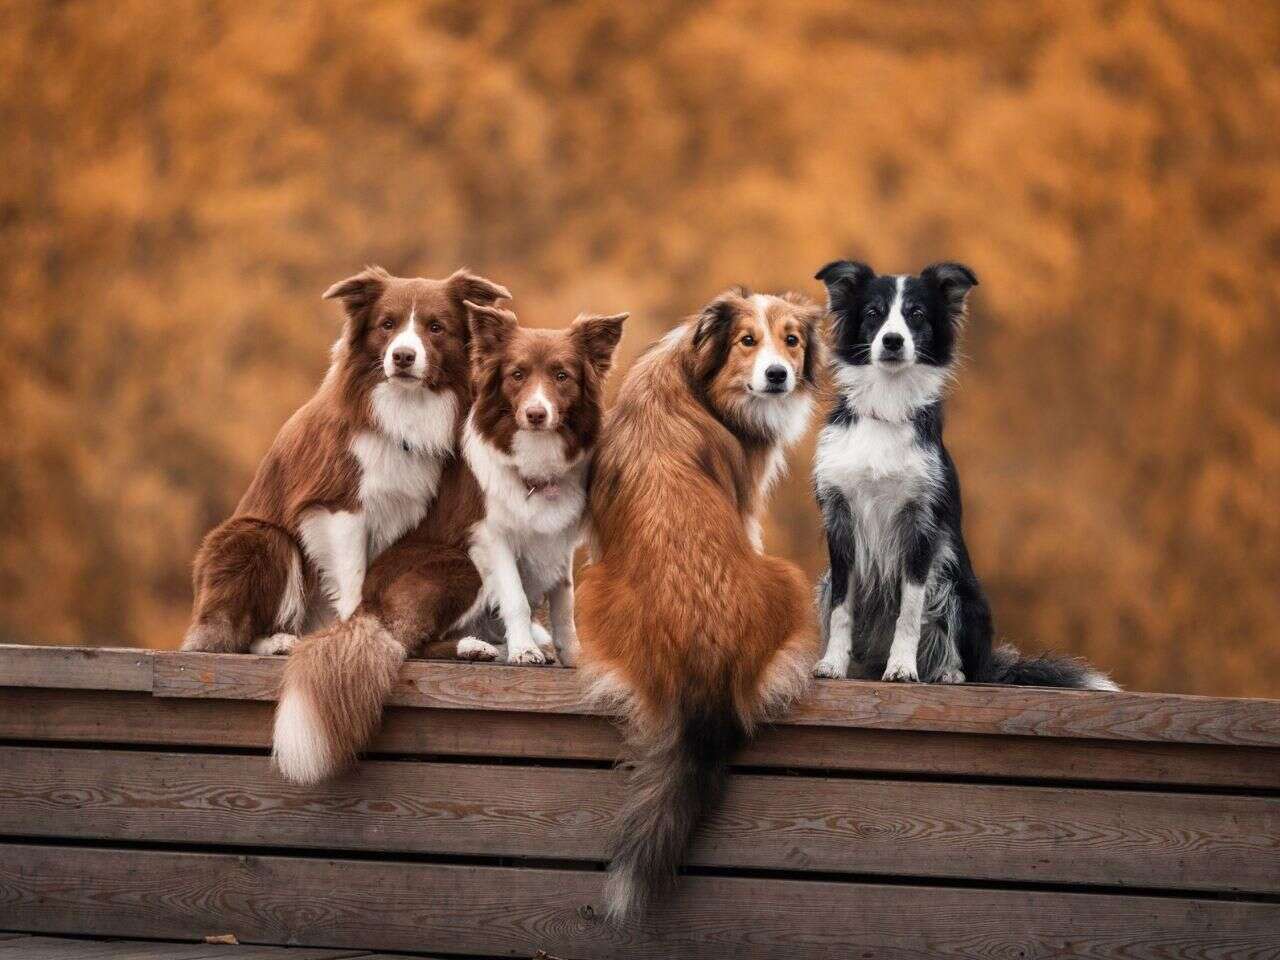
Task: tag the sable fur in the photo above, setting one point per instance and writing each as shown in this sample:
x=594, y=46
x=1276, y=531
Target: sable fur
x=254, y=574
x=687, y=627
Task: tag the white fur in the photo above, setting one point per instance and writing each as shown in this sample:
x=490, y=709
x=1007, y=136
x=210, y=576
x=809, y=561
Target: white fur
x=291, y=613
x=834, y=664
x=277, y=644
x=540, y=399
x=524, y=546
x=895, y=323
x=893, y=394
x=299, y=747
x=407, y=337
x=906, y=635
x=335, y=541
x=769, y=354
x=1097, y=680
x=473, y=648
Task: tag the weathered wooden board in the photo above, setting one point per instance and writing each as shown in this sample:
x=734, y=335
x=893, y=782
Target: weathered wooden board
x=492, y=910
x=962, y=831
x=1010, y=711
x=111, y=717
x=58, y=948
x=83, y=668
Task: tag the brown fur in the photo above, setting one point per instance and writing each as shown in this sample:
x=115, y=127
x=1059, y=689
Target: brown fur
x=242, y=566
x=695, y=634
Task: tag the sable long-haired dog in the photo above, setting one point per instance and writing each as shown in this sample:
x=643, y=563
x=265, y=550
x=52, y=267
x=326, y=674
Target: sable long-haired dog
x=533, y=427
x=901, y=593
x=687, y=627
x=352, y=471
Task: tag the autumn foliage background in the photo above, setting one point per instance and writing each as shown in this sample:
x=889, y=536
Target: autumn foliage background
x=179, y=181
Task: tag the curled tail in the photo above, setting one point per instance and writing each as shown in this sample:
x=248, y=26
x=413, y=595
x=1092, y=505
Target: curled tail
x=335, y=684
x=1007, y=665
x=674, y=783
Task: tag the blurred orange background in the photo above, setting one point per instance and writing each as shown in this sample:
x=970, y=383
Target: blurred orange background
x=180, y=181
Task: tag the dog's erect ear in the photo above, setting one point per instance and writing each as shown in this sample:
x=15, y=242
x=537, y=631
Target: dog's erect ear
x=598, y=337
x=464, y=285
x=360, y=292
x=953, y=280
x=844, y=279
x=491, y=327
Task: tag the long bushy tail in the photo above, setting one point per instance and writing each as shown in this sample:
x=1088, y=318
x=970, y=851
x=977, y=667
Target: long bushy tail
x=335, y=684
x=674, y=783
x=1007, y=665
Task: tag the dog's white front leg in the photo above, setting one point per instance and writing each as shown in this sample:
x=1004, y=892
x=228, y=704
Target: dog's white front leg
x=834, y=664
x=564, y=633
x=906, y=634
x=501, y=572
x=337, y=542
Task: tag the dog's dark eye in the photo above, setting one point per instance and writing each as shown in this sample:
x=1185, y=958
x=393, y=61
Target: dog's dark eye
x=436, y=327
x=517, y=375
x=562, y=376
x=793, y=340
x=748, y=341
x=388, y=324
x=917, y=313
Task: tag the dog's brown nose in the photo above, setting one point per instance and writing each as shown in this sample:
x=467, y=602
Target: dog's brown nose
x=403, y=358
x=536, y=415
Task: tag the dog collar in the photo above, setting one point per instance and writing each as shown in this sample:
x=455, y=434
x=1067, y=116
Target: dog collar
x=549, y=486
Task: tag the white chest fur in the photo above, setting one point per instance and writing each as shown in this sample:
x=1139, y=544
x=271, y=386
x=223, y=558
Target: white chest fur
x=401, y=461
x=880, y=468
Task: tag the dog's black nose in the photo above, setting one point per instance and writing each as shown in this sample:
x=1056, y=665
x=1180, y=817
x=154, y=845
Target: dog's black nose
x=776, y=374
x=403, y=358
x=892, y=342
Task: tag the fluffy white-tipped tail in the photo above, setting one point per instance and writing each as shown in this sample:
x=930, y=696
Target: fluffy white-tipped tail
x=335, y=684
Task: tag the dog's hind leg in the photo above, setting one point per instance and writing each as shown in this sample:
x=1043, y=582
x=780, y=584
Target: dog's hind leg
x=248, y=576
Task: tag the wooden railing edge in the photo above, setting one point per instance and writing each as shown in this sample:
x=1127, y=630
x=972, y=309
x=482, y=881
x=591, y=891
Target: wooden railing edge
x=983, y=709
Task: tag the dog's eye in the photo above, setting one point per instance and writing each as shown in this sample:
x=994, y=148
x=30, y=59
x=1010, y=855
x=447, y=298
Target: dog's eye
x=748, y=340
x=436, y=327
x=793, y=340
x=917, y=313
x=388, y=324
x=517, y=375
x=562, y=376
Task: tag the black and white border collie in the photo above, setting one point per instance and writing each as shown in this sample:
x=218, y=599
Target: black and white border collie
x=901, y=601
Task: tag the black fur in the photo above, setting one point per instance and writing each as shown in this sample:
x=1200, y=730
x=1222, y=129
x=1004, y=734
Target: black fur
x=918, y=537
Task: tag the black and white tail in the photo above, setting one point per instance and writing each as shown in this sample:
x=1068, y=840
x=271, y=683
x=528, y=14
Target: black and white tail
x=1007, y=665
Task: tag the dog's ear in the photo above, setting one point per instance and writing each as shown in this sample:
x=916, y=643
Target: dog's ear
x=465, y=286
x=360, y=292
x=953, y=281
x=844, y=279
x=597, y=337
x=491, y=327
x=815, y=350
x=711, y=329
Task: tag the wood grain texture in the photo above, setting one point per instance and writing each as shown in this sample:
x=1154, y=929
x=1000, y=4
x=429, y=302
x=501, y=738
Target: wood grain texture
x=961, y=831
x=81, y=668
x=1015, y=711
x=61, y=948
x=135, y=718
x=499, y=911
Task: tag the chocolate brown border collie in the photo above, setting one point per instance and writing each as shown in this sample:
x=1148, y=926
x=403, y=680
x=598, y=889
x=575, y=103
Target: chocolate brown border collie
x=349, y=473
x=687, y=628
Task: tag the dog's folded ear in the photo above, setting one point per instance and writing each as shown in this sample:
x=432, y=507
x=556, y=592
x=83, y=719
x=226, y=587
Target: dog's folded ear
x=598, y=336
x=954, y=280
x=360, y=292
x=491, y=327
x=843, y=279
x=464, y=285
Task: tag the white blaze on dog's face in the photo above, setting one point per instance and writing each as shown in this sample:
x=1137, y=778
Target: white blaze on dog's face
x=893, y=345
x=404, y=359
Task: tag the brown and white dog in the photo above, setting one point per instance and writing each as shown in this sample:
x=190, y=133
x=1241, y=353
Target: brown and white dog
x=533, y=427
x=351, y=471
x=687, y=628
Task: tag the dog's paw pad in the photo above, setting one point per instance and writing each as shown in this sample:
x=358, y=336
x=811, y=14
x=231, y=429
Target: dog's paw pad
x=277, y=644
x=901, y=674
x=473, y=648
x=826, y=670
x=532, y=657
x=951, y=676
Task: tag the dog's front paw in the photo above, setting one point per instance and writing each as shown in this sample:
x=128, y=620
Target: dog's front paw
x=530, y=655
x=542, y=637
x=277, y=644
x=955, y=675
x=901, y=673
x=826, y=670
x=473, y=648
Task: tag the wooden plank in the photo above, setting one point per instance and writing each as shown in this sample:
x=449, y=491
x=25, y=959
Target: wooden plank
x=133, y=718
x=980, y=709
x=962, y=831
x=62, y=948
x=78, y=668
x=500, y=911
